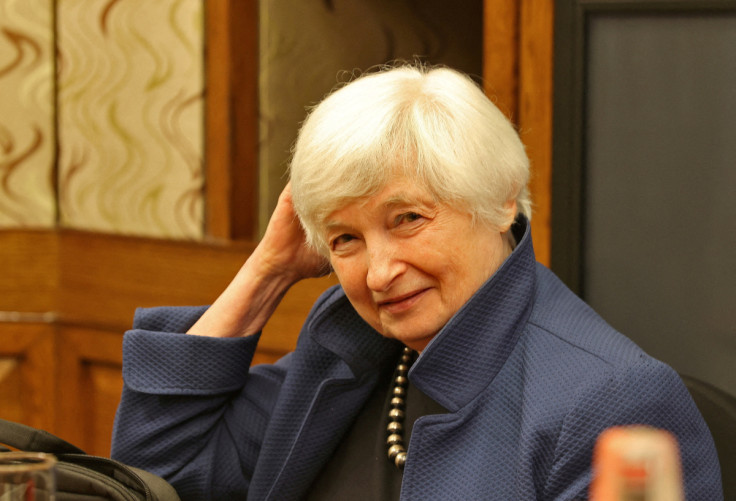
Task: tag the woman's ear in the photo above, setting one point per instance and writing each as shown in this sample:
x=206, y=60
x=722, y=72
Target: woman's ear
x=509, y=209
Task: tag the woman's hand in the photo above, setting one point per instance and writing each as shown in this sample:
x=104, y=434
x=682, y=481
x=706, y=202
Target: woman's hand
x=281, y=259
x=283, y=250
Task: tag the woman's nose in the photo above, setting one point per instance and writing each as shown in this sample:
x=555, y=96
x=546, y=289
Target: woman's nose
x=384, y=266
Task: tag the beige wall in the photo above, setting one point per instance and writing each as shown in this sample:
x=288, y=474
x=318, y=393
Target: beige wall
x=128, y=101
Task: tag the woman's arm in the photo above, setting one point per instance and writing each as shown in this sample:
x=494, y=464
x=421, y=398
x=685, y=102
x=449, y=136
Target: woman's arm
x=191, y=411
x=645, y=393
x=280, y=260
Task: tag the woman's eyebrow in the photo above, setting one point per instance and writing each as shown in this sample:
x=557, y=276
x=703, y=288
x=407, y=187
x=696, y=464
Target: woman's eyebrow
x=331, y=226
x=400, y=200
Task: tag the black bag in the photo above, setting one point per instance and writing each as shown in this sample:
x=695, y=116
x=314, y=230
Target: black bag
x=80, y=476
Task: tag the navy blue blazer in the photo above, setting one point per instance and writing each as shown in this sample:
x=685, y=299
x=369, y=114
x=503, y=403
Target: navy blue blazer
x=529, y=373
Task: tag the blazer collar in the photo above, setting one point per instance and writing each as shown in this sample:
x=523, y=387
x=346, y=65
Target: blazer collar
x=469, y=350
x=465, y=356
x=337, y=327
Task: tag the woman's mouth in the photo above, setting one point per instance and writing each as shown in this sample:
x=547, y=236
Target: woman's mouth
x=401, y=303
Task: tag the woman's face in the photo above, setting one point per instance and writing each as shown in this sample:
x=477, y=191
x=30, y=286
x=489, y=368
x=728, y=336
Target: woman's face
x=406, y=263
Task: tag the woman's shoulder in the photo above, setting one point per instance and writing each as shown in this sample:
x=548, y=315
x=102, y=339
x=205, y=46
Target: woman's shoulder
x=560, y=318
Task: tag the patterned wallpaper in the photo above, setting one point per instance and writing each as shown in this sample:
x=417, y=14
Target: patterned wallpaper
x=131, y=116
x=26, y=114
x=129, y=98
x=129, y=108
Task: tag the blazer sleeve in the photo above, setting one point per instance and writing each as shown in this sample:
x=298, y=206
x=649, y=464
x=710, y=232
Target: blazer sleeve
x=647, y=392
x=191, y=410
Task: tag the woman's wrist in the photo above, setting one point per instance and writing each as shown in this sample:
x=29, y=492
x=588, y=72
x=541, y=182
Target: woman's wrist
x=247, y=303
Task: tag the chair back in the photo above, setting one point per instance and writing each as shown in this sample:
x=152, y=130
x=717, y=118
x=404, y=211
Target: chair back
x=719, y=411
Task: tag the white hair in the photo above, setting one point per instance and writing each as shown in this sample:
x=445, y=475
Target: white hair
x=434, y=126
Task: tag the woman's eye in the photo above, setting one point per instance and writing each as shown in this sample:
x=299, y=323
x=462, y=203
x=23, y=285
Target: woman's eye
x=408, y=217
x=341, y=240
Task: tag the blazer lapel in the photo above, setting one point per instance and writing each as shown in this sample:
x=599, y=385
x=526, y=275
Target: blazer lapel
x=335, y=405
x=332, y=372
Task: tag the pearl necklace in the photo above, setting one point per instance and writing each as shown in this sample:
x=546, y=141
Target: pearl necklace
x=395, y=428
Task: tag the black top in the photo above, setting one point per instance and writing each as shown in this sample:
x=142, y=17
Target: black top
x=359, y=469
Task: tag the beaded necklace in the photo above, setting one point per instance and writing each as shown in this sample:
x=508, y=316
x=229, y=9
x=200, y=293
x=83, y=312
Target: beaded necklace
x=395, y=428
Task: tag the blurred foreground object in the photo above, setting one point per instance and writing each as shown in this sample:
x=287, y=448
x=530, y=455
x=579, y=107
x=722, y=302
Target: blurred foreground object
x=636, y=463
x=27, y=476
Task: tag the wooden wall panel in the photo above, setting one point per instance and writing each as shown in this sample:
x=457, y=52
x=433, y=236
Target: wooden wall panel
x=66, y=299
x=104, y=278
x=105, y=386
x=232, y=137
x=518, y=37
x=90, y=362
x=11, y=387
x=28, y=373
x=28, y=280
x=501, y=54
x=535, y=113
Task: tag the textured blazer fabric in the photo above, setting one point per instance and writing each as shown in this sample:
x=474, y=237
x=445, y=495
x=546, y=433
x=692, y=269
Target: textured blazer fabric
x=529, y=373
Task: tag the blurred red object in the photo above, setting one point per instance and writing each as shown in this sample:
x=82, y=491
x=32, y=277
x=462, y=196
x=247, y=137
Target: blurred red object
x=636, y=463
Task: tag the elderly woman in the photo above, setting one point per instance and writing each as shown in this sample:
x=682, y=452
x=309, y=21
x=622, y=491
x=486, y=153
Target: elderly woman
x=410, y=185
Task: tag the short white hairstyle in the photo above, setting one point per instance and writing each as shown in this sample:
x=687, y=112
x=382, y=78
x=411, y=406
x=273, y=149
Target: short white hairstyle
x=432, y=125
